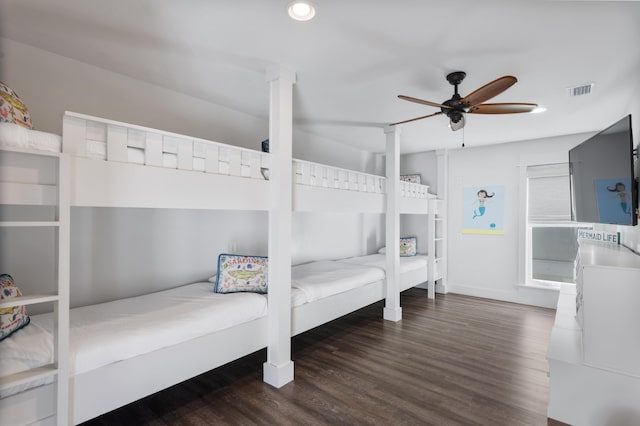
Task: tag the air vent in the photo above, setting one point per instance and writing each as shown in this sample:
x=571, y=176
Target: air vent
x=581, y=90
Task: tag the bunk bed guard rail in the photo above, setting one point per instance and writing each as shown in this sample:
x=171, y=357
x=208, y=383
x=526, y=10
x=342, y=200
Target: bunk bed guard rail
x=99, y=138
x=314, y=174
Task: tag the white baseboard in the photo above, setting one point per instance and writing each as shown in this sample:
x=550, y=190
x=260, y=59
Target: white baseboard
x=532, y=296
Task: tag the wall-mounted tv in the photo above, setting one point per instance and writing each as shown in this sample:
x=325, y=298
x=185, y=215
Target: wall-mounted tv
x=603, y=185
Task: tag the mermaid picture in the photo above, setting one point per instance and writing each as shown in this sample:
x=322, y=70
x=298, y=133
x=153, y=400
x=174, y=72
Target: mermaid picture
x=480, y=201
x=483, y=210
x=619, y=190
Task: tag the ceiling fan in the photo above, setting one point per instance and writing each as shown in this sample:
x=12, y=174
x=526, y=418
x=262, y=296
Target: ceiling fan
x=456, y=107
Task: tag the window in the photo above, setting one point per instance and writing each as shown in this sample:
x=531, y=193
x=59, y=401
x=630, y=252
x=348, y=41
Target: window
x=551, y=237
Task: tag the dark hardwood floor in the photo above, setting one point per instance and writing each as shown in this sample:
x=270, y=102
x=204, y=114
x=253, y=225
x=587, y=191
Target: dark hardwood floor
x=458, y=361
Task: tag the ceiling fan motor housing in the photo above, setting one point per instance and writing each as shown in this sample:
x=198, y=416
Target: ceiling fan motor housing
x=456, y=108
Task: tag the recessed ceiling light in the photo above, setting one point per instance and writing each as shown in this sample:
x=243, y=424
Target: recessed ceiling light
x=301, y=10
x=538, y=110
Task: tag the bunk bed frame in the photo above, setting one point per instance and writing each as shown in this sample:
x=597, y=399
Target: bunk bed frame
x=170, y=171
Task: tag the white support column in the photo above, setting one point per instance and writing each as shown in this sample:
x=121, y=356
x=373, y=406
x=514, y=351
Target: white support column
x=431, y=250
x=63, y=402
x=442, y=162
x=392, y=309
x=278, y=370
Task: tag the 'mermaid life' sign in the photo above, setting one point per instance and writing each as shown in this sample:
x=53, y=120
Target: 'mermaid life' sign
x=603, y=236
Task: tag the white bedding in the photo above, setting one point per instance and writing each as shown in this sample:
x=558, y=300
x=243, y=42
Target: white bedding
x=109, y=332
x=16, y=136
x=407, y=264
x=316, y=280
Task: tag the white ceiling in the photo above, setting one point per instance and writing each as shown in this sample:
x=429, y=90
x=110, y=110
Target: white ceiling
x=356, y=56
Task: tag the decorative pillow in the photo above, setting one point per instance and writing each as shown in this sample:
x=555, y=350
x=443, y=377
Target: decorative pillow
x=237, y=273
x=411, y=178
x=408, y=246
x=14, y=318
x=12, y=109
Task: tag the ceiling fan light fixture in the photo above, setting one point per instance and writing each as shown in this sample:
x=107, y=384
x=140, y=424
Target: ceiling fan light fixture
x=458, y=124
x=301, y=10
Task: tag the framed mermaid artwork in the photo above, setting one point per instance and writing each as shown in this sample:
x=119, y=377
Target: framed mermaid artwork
x=483, y=210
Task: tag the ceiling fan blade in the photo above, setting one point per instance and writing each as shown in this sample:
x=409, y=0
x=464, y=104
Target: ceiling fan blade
x=421, y=101
x=503, y=108
x=459, y=125
x=417, y=118
x=488, y=91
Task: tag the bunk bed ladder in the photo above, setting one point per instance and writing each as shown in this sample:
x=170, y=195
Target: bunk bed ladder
x=31, y=190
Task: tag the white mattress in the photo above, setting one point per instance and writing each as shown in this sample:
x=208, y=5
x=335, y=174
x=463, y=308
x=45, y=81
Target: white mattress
x=109, y=332
x=316, y=280
x=16, y=136
x=407, y=264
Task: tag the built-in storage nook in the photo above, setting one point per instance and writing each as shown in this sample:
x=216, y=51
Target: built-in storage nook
x=594, y=351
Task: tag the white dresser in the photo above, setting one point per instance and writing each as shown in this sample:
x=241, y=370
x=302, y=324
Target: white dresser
x=594, y=351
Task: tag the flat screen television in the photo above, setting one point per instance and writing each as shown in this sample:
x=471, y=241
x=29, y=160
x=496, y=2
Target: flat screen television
x=603, y=185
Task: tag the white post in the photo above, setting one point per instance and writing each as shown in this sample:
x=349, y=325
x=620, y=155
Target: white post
x=431, y=231
x=392, y=309
x=278, y=370
x=63, y=404
x=442, y=157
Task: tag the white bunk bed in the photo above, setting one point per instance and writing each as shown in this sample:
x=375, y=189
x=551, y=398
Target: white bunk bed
x=319, y=188
x=144, y=168
x=113, y=164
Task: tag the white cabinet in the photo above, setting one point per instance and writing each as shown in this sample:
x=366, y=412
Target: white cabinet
x=608, y=307
x=34, y=195
x=594, y=351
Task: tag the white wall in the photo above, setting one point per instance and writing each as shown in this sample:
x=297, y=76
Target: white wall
x=49, y=84
x=118, y=252
x=491, y=266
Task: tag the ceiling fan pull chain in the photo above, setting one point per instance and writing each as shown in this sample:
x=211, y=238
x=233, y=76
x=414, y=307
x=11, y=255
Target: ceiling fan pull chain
x=463, y=137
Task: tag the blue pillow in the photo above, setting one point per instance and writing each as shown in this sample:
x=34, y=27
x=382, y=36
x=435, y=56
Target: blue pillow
x=408, y=246
x=237, y=273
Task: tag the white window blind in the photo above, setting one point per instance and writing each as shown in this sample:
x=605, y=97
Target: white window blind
x=549, y=197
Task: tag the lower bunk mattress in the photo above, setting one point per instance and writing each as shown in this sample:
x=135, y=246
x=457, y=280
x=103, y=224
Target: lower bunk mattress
x=318, y=280
x=321, y=279
x=407, y=263
x=114, y=331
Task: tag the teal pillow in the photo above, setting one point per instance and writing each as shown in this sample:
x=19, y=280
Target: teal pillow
x=408, y=246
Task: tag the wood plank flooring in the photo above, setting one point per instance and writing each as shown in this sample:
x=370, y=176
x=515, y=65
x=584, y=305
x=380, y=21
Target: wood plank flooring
x=458, y=361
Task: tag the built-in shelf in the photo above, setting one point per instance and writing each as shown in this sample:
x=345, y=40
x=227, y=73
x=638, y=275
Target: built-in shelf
x=29, y=300
x=24, y=377
x=30, y=224
x=38, y=182
x=30, y=151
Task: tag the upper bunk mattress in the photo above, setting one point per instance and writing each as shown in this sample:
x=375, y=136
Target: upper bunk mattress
x=407, y=264
x=16, y=136
x=109, y=332
x=316, y=280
